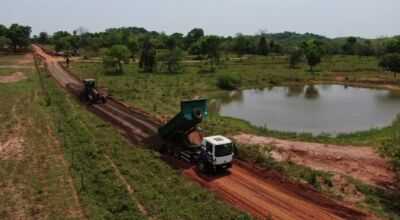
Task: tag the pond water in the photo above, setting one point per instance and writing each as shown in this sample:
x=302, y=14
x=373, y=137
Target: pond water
x=316, y=109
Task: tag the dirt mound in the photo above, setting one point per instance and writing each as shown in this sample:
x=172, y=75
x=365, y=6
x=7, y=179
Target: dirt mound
x=362, y=163
x=14, y=77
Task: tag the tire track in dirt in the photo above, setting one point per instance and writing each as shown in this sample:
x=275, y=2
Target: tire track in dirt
x=259, y=193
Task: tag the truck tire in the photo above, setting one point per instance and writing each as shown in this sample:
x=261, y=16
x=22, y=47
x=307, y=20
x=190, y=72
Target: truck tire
x=201, y=167
x=197, y=114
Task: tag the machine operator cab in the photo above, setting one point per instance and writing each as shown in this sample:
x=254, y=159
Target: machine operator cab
x=216, y=153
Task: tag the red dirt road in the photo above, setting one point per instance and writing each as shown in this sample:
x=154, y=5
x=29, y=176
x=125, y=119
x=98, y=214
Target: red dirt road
x=261, y=193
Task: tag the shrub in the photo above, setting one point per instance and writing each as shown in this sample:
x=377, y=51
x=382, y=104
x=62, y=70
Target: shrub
x=228, y=82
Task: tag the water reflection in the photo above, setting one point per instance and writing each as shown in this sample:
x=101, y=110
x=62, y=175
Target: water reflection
x=311, y=92
x=295, y=90
x=329, y=109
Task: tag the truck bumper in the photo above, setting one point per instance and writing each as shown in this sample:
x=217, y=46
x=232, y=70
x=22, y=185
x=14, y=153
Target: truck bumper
x=224, y=166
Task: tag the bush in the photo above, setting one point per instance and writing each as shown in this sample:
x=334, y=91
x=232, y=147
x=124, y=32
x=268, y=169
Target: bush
x=228, y=82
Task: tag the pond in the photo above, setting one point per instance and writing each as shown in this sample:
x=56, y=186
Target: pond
x=316, y=109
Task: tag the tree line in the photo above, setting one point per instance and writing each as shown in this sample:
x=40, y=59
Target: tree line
x=129, y=43
x=16, y=37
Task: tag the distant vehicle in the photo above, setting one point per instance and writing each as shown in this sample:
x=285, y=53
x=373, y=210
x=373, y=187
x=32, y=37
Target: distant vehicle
x=75, y=53
x=58, y=53
x=213, y=153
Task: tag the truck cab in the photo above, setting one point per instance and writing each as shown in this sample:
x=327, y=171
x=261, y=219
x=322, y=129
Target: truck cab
x=216, y=153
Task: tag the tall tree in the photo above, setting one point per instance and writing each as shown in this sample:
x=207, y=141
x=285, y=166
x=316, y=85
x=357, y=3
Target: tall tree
x=43, y=38
x=116, y=56
x=148, y=55
x=263, y=48
x=295, y=56
x=393, y=46
x=194, y=35
x=174, y=56
x=210, y=47
x=133, y=46
x=391, y=62
x=242, y=44
x=3, y=30
x=313, y=56
x=4, y=41
x=349, y=46
x=170, y=43
x=19, y=36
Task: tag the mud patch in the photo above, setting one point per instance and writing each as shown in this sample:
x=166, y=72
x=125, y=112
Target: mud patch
x=362, y=163
x=14, y=77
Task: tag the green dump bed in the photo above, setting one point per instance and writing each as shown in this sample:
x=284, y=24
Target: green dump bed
x=192, y=113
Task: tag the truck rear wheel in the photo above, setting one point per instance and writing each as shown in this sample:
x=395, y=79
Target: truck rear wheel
x=201, y=166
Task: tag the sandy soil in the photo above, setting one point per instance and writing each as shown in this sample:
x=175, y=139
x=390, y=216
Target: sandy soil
x=362, y=163
x=12, y=147
x=14, y=77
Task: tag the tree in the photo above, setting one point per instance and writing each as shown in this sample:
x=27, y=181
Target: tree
x=349, y=46
x=263, y=48
x=60, y=34
x=94, y=44
x=313, y=57
x=4, y=41
x=62, y=44
x=314, y=51
x=193, y=36
x=43, y=38
x=133, y=46
x=391, y=62
x=19, y=36
x=364, y=49
x=173, y=58
x=3, y=30
x=195, y=49
x=116, y=56
x=210, y=46
x=295, y=56
x=393, y=46
x=147, y=56
x=242, y=44
x=170, y=43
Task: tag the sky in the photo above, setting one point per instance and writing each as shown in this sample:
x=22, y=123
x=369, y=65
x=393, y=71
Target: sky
x=331, y=18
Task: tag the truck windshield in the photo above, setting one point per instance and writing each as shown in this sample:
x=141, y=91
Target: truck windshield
x=223, y=150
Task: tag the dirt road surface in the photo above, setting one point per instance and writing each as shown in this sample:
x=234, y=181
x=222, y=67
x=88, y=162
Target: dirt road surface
x=262, y=194
x=362, y=163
